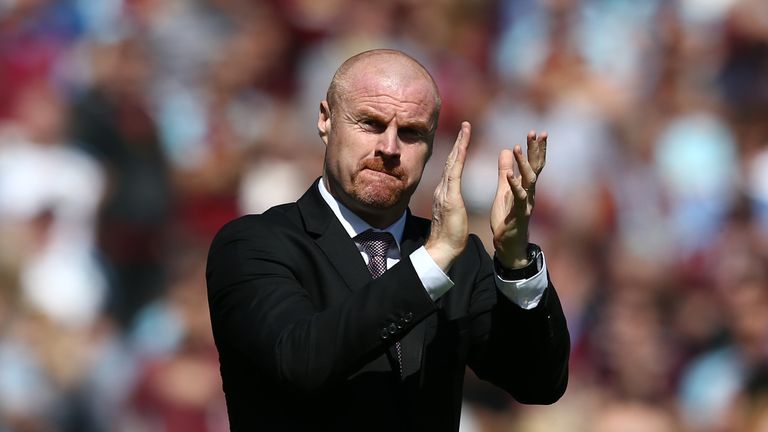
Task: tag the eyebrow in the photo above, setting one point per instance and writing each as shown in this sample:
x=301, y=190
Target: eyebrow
x=417, y=125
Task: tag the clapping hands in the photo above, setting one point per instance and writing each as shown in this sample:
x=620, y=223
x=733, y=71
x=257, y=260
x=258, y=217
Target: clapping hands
x=511, y=210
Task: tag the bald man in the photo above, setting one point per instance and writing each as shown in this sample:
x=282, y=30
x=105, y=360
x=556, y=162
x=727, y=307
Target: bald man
x=344, y=312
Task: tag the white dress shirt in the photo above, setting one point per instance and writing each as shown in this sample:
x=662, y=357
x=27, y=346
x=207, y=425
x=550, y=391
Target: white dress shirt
x=526, y=293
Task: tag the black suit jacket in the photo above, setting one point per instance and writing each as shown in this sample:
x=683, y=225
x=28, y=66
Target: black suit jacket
x=304, y=334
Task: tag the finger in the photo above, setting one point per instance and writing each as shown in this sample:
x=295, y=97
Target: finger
x=519, y=193
x=454, y=166
x=528, y=177
x=506, y=165
x=537, y=150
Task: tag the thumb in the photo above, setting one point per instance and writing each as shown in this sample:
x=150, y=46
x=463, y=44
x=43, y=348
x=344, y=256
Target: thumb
x=506, y=166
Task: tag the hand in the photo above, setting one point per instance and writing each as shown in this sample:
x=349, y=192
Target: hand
x=514, y=202
x=448, y=235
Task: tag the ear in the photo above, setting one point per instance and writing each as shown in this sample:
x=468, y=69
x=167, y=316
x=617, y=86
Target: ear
x=324, y=121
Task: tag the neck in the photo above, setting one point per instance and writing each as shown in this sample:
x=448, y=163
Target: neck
x=377, y=219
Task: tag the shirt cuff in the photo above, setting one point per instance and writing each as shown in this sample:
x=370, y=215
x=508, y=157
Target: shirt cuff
x=525, y=293
x=435, y=281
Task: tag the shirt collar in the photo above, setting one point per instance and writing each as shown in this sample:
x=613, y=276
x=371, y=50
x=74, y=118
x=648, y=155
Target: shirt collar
x=352, y=223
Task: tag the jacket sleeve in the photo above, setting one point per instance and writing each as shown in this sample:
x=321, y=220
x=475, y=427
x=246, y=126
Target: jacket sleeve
x=260, y=311
x=525, y=352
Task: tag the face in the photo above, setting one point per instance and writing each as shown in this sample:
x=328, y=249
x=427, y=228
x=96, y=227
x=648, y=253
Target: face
x=378, y=137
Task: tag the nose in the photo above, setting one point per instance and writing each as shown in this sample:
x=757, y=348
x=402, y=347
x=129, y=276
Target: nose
x=388, y=144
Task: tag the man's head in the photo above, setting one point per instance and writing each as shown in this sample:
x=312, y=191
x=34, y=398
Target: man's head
x=378, y=123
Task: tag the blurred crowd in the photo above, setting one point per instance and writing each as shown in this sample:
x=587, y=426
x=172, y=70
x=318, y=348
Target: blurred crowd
x=131, y=130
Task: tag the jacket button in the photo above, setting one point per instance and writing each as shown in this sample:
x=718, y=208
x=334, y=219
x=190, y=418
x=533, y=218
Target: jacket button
x=408, y=317
x=392, y=328
x=401, y=323
x=384, y=333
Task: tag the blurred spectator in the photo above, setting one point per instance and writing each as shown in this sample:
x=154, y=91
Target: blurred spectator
x=178, y=385
x=49, y=194
x=696, y=162
x=34, y=39
x=112, y=122
x=713, y=381
x=211, y=131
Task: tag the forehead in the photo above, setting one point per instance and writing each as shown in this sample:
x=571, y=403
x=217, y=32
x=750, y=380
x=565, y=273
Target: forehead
x=390, y=90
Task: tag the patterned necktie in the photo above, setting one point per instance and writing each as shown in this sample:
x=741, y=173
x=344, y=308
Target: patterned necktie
x=376, y=245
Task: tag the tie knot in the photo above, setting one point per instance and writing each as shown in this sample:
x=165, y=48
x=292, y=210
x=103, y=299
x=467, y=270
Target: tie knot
x=375, y=243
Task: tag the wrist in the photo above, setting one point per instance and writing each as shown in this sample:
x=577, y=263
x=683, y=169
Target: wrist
x=513, y=258
x=535, y=263
x=442, y=256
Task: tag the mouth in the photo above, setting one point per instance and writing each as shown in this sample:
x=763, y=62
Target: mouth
x=379, y=173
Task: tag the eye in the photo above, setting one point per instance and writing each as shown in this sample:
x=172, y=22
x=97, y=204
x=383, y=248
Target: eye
x=410, y=135
x=371, y=125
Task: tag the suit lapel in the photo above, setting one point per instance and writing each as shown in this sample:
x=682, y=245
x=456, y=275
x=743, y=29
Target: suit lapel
x=333, y=240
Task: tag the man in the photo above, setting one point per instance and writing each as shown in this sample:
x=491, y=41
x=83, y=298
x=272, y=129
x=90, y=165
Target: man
x=314, y=334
